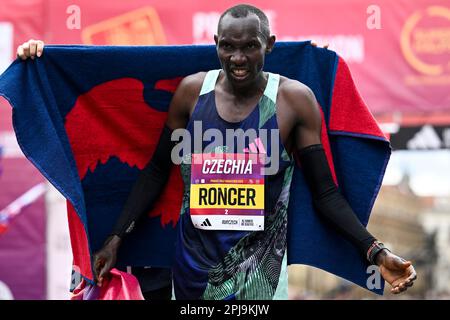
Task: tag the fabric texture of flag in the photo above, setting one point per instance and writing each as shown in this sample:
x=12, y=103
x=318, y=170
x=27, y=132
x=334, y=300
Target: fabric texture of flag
x=119, y=286
x=89, y=117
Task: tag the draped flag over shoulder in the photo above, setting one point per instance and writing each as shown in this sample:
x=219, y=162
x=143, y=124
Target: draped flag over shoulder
x=89, y=118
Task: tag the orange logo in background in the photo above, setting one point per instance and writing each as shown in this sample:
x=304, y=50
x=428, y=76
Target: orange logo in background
x=139, y=27
x=425, y=41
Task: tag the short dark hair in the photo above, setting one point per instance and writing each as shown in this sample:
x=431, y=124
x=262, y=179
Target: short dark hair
x=242, y=11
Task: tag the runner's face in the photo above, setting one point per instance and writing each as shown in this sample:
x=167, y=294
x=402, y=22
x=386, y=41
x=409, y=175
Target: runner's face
x=241, y=48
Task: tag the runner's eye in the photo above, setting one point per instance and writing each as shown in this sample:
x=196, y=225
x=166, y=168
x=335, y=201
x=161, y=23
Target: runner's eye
x=226, y=46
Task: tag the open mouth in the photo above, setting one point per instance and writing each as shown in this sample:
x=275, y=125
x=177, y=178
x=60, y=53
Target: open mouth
x=240, y=73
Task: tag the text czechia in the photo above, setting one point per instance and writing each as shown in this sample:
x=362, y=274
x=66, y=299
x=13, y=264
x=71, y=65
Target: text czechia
x=227, y=166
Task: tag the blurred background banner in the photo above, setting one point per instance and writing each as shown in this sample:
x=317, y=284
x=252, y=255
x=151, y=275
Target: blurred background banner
x=398, y=52
x=22, y=221
x=399, y=48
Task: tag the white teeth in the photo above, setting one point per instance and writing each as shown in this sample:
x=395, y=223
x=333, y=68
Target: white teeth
x=240, y=73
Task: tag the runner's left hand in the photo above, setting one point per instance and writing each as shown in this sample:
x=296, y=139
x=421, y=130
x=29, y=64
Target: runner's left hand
x=398, y=272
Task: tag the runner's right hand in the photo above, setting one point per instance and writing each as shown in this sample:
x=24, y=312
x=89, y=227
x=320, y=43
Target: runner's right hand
x=105, y=259
x=30, y=49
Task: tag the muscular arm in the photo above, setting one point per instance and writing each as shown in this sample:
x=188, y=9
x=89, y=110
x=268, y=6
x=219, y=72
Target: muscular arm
x=153, y=178
x=330, y=204
x=327, y=199
x=148, y=187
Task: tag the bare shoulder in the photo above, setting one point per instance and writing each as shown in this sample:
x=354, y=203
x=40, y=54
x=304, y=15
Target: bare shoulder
x=184, y=100
x=294, y=90
x=187, y=91
x=298, y=98
x=192, y=83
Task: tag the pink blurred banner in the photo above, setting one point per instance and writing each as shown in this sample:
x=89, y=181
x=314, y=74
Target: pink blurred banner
x=398, y=51
x=22, y=220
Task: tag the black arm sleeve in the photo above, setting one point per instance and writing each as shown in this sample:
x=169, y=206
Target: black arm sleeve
x=148, y=186
x=327, y=199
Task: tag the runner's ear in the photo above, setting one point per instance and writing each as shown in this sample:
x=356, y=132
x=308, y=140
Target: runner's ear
x=270, y=44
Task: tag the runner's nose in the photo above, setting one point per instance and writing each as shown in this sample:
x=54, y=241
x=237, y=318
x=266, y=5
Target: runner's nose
x=238, y=58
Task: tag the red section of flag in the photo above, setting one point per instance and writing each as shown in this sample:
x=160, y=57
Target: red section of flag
x=124, y=126
x=168, y=84
x=78, y=240
x=349, y=113
x=120, y=124
x=327, y=148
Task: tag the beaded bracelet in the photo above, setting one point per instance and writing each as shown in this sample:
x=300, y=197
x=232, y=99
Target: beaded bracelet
x=374, y=249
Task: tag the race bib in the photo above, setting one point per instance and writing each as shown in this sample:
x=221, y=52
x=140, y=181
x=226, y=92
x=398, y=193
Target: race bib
x=227, y=192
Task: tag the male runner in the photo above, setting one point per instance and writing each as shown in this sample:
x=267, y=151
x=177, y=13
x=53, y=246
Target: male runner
x=239, y=262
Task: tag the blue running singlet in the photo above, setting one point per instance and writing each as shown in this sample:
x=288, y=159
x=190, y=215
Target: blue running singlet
x=236, y=264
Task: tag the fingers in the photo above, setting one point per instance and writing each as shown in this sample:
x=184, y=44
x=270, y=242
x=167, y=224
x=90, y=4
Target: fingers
x=397, y=290
x=409, y=282
x=413, y=275
x=26, y=50
x=99, y=281
x=30, y=49
x=104, y=271
x=400, y=288
x=40, y=48
x=314, y=44
x=98, y=266
x=20, y=52
x=33, y=49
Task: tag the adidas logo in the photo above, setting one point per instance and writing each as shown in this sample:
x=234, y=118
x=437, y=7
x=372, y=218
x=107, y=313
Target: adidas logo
x=206, y=223
x=255, y=147
x=426, y=138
